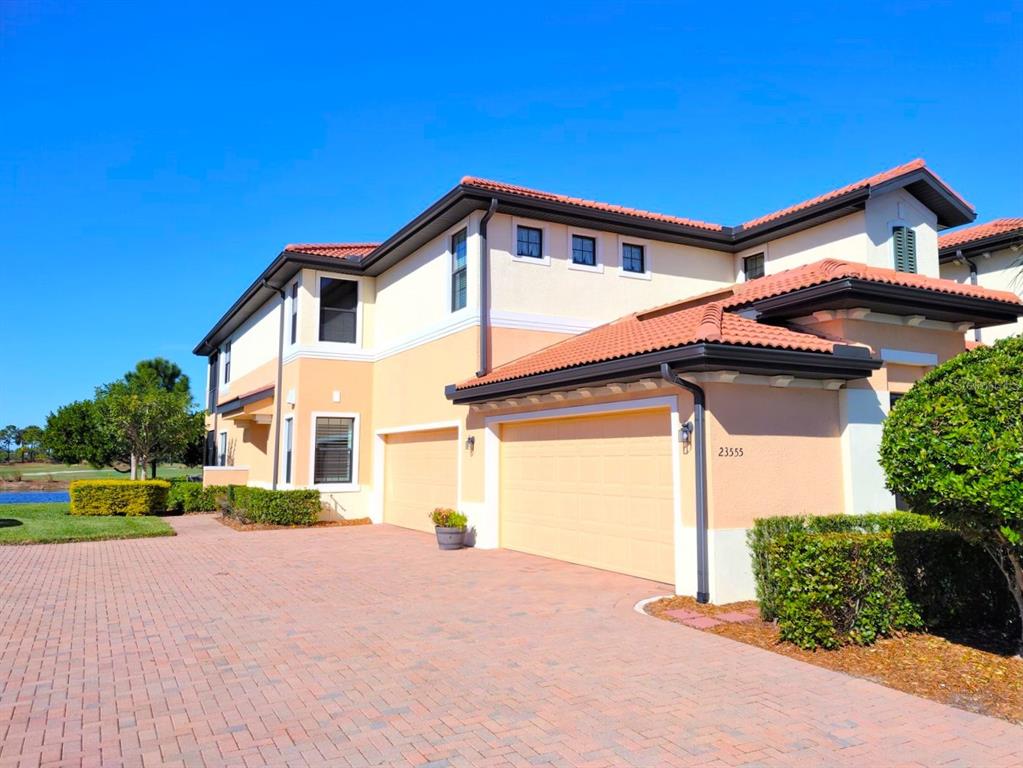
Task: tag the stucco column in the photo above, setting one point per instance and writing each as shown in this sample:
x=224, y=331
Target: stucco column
x=861, y=416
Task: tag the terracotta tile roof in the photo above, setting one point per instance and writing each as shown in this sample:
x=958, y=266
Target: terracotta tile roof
x=636, y=334
x=348, y=251
x=878, y=178
x=498, y=186
x=820, y=272
x=980, y=232
x=972, y=345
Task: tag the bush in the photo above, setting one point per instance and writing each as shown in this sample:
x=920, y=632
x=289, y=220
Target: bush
x=118, y=497
x=836, y=588
x=843, y=579
x=768, y=530
x=262, y=506
x=185, y=496
x=448, y=518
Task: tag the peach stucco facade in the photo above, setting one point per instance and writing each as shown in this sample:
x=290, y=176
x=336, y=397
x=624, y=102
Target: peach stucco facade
x=598, y=475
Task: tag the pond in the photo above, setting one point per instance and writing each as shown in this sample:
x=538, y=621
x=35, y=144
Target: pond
x=32, y=497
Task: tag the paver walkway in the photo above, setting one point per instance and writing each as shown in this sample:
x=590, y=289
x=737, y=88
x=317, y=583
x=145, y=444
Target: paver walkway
x=368, y=646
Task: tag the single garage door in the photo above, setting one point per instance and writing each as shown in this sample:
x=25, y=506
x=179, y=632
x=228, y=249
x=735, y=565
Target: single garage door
x=595, y=491
x=420, y=474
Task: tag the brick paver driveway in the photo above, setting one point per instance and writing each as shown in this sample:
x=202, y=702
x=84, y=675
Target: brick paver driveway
x=367, y=646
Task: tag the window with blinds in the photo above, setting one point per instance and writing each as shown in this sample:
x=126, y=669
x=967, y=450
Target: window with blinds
x=753, y=266
x=904, y=247
x=332, y=462
x=339, y=300
x=459, y=282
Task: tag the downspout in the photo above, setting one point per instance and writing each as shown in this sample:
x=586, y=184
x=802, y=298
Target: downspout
x=973, y=281
x=277, y=387
x=699, y=406
x=485, y=290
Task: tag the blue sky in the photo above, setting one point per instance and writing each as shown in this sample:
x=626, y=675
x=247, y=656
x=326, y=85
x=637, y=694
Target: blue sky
x=154, y=159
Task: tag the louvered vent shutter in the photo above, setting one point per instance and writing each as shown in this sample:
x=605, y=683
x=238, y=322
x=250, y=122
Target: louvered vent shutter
x=904, y=245
x=333, y=450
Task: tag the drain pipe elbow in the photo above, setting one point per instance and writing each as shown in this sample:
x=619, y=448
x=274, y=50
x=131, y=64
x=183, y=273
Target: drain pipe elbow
x=700, y=424
x=485, y=290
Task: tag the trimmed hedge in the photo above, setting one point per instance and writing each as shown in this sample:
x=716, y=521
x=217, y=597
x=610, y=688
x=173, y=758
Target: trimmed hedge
x=187, y=496
x=767, y=530
x=259, y=505
x=836, y=588
x=842, y=579
x=118, y=497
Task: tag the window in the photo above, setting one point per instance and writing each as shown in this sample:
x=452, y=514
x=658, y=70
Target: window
x=222, y=450
x=210, y=454
x=211, y=381
x=289, y=439
x=227, y=362
x=338, y=302
x=633, y=258
x=530, y=242
x=294, y=312
x=332, y=460
x=753, y=266
x=904, y=247
x=584, y=250
x=459, y=282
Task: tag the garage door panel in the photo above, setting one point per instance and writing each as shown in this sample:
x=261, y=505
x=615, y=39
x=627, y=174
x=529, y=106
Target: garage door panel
x=595, y=491
x=420, y=474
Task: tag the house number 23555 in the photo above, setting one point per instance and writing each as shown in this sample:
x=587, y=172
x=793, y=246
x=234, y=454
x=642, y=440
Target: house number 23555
x=729, y=451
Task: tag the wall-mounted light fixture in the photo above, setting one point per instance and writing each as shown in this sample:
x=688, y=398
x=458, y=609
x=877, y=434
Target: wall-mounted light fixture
x=685, y=434
x=470, y=443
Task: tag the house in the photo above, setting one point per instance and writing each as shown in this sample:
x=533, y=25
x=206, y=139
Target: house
x=610, y=386
x=989, y=254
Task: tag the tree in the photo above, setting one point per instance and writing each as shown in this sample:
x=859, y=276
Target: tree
x=953, y=447
x=168, y=375
x=9, y=438
x=141, y=414
x=31, y=439
x=75, y=434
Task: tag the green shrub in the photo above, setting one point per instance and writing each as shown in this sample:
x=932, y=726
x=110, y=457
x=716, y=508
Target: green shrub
x=118, y=497
x=835, y=588
x=448, y=518
x=768, y=530
x=185, y=496
x=259, y=505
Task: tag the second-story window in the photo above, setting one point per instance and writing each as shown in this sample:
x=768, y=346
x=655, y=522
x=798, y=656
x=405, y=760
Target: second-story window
x=529, y=242
x=633, y=258
x=584, y=250
x=227, y=362
x=753, y=266
x=459, y=282
x=904, y=248
x=339, y=300
x=294, y=312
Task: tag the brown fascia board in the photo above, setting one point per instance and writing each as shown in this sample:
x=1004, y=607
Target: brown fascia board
x=846, y=362
x=975, y=247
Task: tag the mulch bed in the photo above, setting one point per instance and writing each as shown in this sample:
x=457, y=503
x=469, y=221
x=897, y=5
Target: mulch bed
x=978, y=673
x=240, y=526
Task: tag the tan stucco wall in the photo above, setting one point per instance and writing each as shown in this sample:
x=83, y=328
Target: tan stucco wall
x=844, y=238
x=791, y=461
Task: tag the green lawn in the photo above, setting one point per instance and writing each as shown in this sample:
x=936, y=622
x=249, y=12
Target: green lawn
x=43, y=471
x=50, y=522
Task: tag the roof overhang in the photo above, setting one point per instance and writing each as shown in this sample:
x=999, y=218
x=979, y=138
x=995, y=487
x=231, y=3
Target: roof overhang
x=251, y=403
x=846, y=362
x=850, y=293
x=981, y=245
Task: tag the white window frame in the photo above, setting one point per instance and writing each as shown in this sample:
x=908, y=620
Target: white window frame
x=225, y=359
x=742, y=263
x=647, y=274
x=598, y=251
x=289, y=422
x=341, y=346
x=351, y=487
x=451, y=267
x=294, y=303
x=545, y=242
x=222, y=449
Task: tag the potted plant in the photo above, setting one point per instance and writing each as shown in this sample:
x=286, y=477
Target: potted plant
x=450, y=527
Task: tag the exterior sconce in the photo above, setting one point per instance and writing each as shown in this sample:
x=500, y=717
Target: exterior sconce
x=470, y=443
x=685, y=434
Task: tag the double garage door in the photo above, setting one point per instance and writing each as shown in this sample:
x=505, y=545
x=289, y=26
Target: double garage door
x=590, y=490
